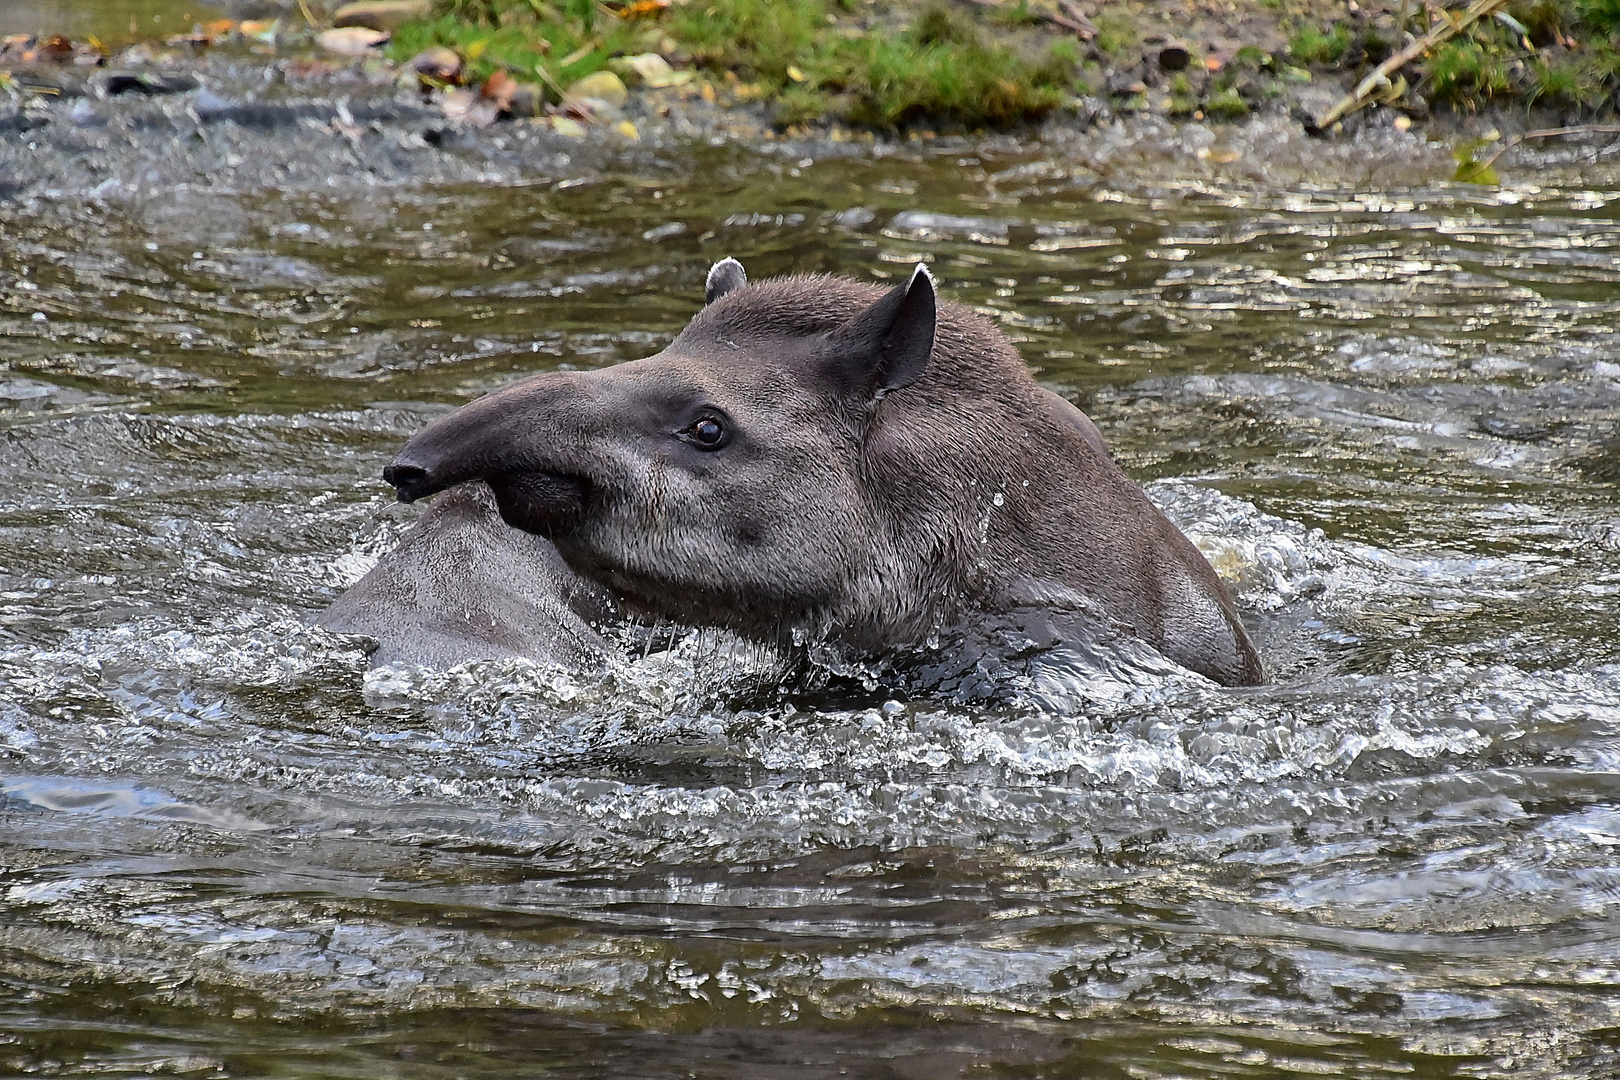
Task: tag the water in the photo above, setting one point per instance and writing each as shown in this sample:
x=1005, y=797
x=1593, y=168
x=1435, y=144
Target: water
x=1391, y=417
x=116, y=21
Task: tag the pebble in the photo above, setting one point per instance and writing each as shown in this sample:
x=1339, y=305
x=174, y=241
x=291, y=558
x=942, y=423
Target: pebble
x=436, y=62
x=383, y=15
x=603, y=86
x=351, y=40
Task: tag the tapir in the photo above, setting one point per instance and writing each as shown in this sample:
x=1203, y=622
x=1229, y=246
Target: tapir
x=811, y=459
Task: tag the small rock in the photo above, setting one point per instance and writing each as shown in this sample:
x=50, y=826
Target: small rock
x=384, y=15
x=83, y=113
x=147, y=83
x=470, y=107
x=436, y=62
x=568, y=126
x=527, y=100
x=602, y=86
x=351, y=40
x=652, y=69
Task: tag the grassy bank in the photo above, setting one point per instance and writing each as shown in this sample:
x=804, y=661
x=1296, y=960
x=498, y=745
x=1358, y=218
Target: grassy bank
x=808, y=59
x=888, y=64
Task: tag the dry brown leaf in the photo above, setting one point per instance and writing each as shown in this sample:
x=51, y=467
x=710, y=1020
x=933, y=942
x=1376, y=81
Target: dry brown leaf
x=498, y=90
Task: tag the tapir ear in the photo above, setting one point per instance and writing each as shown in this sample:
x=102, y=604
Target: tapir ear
x=725, y=275
x=886, y=347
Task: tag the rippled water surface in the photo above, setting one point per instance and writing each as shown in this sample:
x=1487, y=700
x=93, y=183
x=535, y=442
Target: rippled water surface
x=227, y=848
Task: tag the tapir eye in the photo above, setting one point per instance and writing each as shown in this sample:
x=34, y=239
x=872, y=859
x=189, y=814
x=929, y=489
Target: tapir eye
x=706, y=432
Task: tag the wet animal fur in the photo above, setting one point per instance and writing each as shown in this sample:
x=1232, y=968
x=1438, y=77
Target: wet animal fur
x=889, y=468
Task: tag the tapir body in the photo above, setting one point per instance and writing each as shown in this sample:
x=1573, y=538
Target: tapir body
x=816, y=458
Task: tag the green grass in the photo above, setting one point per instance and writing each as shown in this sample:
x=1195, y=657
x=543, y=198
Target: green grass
x=1464, y=73
x=1545, y=19
x=1226, y=105
x=1553, y=84
x=793, y=53
x=1117, y=34
x=522, y=46
x=1312, y=46
x=940, y=71
x=951, y=65
x=1601, y=16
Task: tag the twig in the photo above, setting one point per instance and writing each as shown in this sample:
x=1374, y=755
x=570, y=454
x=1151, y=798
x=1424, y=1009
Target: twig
x=1446, y=29
x=1073, y=19
x=1548, y=133
x=303, y=6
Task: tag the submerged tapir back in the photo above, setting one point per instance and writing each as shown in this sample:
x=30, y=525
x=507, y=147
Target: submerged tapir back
x=812, y=455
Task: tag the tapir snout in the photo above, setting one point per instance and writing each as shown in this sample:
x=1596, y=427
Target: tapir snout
x=515, y=440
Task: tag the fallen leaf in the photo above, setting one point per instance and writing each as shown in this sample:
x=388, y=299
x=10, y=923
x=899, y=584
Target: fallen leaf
x=653, y=70
x=627, y=129
x=795, y=74
x=56, y=48
x=260, y=29
x=498, y=90
x=351, y=40
x=1470, y=169
x=643, y=9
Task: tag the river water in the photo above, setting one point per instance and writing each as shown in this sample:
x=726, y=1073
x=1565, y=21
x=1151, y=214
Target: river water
x=227, y=848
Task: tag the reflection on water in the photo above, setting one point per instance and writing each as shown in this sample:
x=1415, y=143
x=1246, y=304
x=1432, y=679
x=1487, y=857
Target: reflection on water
x=115, y=21
x=228, y=848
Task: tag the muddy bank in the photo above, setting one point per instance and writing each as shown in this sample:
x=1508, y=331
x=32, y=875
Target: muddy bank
x=250, y=123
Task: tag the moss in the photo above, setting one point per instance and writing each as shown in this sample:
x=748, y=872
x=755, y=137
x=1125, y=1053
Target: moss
x=1252, y=57
x=939, y=26
x=1227, y=105
x=1018, y=14
x=801, y=105
x=1312, y=46
x=1060, y=68
x=1117, y=33
x=1463, y=73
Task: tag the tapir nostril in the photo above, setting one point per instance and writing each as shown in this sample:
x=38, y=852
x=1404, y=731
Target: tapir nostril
x=408, y=480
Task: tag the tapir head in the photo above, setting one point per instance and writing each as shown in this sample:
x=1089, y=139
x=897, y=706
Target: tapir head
x=720, y=481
